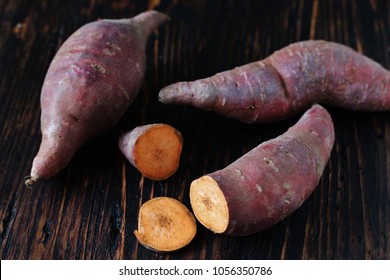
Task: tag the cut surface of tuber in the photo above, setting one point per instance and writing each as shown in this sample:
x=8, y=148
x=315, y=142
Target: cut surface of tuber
x=209, y=204
x=157, y=151
x=165, y=225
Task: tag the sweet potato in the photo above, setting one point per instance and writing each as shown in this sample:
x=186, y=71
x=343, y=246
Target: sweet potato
x=287, y=82
x=92, y=80
x=269, y=182
x=165, y=224
x=154, y=149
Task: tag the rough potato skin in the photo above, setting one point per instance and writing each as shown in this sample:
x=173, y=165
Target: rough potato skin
x=287, y=82
x=272, y=180
x=92, y=80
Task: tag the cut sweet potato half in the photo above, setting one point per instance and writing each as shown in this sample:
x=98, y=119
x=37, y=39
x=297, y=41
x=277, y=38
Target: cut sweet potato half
x=165, y=225
x=209, y=204
x=268, y=183
x=153, y=149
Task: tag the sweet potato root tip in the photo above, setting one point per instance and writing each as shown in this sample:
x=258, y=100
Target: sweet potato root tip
x=150, y=20
x=268, y=183
x=29, y=181
x=209, y=204
x=153, y=149
x=165, y=225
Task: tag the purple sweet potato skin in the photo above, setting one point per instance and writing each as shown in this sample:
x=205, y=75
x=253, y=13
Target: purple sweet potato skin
x=337, y=74
x=287, y=82
x=272, y=180
x=91, y=82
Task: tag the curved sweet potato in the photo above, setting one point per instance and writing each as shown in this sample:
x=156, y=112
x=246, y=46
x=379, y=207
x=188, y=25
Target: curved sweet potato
x=92, y=80
x=287, y=82
x=269, y=182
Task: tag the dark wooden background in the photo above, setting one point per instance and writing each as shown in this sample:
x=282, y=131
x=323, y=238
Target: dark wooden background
x=89, y=210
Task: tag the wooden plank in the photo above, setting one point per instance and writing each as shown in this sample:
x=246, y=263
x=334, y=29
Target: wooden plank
x=89, y=210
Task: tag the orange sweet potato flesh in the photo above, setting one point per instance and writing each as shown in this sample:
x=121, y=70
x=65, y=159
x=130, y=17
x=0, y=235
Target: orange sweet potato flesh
x=165, y=225
x=154, y=149
x=287, y=82
x=268, y=183
x=91, y=82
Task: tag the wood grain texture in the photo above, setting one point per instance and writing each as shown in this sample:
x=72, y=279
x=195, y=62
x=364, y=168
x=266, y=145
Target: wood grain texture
x=89, y=210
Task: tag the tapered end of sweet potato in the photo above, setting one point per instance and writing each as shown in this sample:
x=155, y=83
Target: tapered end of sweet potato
x=165, y=225
x=29, y=181
x=151, y=19
x=209, y=204
x=174, y=94
x=148, y=22
x=200, y=93
x=153, y=149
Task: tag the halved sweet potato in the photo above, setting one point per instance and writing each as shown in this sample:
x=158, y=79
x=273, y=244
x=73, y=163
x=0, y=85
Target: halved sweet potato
x=153, y=149
x=165, y=224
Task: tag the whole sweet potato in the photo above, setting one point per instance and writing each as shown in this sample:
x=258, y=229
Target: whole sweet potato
x=269, y=182
x=287, y=82
x=92, y=80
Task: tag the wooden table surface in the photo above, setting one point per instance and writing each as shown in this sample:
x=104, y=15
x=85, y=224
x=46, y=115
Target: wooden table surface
x=89, y=210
